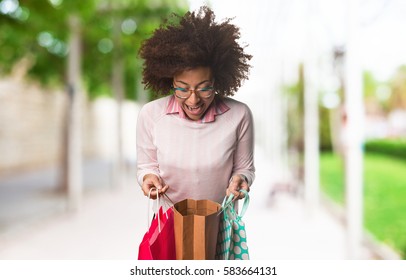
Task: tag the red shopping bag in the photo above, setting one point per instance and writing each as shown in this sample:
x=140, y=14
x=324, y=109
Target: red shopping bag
x=159, y=241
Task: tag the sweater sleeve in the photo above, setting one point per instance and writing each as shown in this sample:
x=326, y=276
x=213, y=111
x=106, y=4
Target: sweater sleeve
x=147, y=162
x=244, y=154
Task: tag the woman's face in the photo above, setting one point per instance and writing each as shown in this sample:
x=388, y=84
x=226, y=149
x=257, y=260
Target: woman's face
x=194, y=79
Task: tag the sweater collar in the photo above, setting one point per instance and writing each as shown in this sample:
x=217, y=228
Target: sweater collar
x=217, y=107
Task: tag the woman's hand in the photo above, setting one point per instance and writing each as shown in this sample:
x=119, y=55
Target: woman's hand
x=237, y=182
x=153, y=181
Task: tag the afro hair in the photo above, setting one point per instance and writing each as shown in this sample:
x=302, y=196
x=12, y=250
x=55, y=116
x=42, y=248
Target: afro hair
x=194, y=40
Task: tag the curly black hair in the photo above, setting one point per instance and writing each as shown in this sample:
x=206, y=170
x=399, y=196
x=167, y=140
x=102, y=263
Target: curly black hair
x=194, y=40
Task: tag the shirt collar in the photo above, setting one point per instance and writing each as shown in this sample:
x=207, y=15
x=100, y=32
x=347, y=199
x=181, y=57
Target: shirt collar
x=217, y=107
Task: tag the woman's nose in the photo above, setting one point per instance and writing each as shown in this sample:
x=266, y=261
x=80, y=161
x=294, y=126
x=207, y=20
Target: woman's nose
x=194, y=97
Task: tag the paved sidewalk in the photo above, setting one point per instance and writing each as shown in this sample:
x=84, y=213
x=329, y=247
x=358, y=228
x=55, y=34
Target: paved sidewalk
x=112, y=222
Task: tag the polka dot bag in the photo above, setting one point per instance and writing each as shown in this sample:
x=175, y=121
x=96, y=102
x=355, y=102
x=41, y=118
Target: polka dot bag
x=232, y=239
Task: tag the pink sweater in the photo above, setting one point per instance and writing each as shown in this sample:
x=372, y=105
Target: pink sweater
x=195, y=159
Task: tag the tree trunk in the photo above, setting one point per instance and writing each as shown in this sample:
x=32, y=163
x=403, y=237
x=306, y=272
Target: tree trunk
x=354, y=125
x=311, y=119
x=72, y=149
x=118, y=92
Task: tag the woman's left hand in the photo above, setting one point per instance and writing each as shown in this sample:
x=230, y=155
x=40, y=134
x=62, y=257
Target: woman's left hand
x=237, y=182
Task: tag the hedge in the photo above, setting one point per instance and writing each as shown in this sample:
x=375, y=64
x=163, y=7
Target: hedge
x=391, y=147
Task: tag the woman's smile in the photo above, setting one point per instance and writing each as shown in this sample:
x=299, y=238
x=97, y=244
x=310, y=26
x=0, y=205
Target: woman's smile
x=195, y=110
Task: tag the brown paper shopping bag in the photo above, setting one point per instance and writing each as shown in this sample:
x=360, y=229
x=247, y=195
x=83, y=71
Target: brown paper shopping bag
x=196, y=229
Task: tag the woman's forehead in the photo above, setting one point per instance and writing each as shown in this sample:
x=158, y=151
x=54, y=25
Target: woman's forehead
x=197, y=74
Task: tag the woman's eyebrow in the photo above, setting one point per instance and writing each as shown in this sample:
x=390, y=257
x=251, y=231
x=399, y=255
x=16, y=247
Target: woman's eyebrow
x=186, y=84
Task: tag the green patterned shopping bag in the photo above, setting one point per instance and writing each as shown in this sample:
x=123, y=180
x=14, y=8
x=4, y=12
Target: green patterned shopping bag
x=232, y=238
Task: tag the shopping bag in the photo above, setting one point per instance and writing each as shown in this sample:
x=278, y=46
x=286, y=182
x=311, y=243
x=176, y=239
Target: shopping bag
x=158, y=242
x=232, y=237
x=196, y=229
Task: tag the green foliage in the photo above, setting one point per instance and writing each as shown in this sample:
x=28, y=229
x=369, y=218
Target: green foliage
x=390, y=147
x=42, y=35
x=376, y=93
x=384, y=194
x=324, y=129
x=370, y=84
x=295, y=112
x=397, y=98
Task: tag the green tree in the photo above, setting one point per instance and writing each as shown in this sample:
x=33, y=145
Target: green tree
x=397, y=99
x=38, y=30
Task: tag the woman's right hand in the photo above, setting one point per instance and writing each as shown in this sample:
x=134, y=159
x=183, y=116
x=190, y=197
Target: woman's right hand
x=153, y=181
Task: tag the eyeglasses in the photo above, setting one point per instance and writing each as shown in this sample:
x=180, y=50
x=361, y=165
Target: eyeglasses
x=185, y=93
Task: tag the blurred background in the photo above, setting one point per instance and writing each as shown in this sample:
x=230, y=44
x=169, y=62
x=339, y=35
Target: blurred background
x=328, y=94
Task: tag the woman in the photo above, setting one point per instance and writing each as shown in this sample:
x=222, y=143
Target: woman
x=197, y=142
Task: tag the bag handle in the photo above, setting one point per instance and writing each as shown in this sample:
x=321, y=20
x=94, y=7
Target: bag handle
x=244, y=206
x=158, y=206
x=171, y=204
x=228, y=202
x=149, y=206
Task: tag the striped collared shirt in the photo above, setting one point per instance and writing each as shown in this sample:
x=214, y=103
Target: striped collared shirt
x=217, y=107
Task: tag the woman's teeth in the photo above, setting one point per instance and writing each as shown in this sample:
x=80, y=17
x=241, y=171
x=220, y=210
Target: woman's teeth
x=193, y=108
